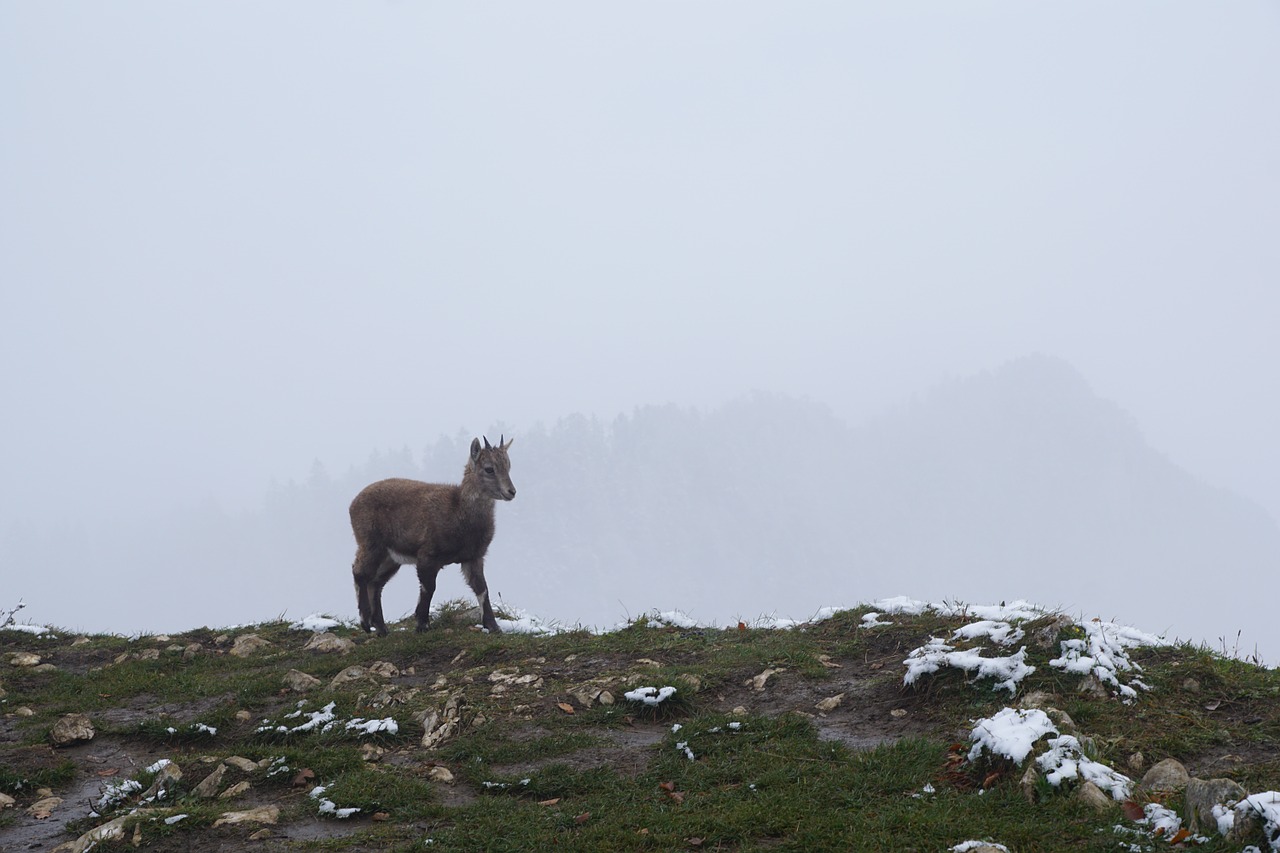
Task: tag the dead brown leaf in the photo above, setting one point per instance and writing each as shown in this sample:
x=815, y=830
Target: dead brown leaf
x=305, y=777
x=550, y=802
x=565, y=706
x=582, y=818
x=381, y=816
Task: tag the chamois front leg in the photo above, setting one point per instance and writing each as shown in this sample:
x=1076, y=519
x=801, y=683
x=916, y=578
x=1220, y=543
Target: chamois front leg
x=474, y=573
x=426, y=589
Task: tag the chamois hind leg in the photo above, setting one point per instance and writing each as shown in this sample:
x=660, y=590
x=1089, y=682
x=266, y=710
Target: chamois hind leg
x=426, y=590
x=474, y=573
x=371, y=573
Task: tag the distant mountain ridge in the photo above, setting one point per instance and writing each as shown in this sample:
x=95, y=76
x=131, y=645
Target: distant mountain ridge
x=1019, y=482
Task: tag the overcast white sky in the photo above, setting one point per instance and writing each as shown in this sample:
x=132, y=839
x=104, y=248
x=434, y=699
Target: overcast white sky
x=236, y=237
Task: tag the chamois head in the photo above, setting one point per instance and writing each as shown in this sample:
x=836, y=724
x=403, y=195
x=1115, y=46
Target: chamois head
x=492, y=468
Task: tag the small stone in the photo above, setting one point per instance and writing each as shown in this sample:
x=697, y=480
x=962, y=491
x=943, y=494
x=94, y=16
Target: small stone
x=1062, y=720
x=191, y=651
x=1190, y=685
x=6, y=801
x=234, y=791
x=649, y=662
x=605, y=698
x=830, y=703
x=739, y=711
x=898, y=713
x=44, y=807
x=23, y=711
x=348, y=675
x=1036, y=699
x=2, y=692
x=209, y=787
x=371, y=751
x=166, y=778
x=1167, y=775
x=758, y=682
x=1093, y=796
x=384, y=669
x=327, y=644
x=24, y=659
x=249, y=644
x=1030, y=783
x=1203, y=795
x=72, y=728
x=265, y=814
x=300, y=682
x=261, y=834
x=243, y=716
x=440, y=774
x=240, y=763
x=44, y=667
x=80, y=641
x=175, y=649
x=162, y=638
x=147, y=654
x=1137, y=761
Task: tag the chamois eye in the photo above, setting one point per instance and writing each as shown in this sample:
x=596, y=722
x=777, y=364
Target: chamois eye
x=488, y=469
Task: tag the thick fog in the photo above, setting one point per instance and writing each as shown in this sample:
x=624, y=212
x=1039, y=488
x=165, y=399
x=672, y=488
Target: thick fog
x=786, y=305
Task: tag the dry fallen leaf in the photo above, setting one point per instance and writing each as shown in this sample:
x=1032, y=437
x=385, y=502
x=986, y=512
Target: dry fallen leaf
x=565, y=706
x=1132, y=810
x=304, y=777
x=694, y=842
x=111, y=772
x=742, y=626
x=667, y=786
x=1214, y=705
x=381, y=816
x=676, y=796
x=582, y=818
x=550, y=802
x=1180, y=836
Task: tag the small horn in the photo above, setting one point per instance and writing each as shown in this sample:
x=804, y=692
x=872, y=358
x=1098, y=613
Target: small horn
x=486, y=443
x=500, y=438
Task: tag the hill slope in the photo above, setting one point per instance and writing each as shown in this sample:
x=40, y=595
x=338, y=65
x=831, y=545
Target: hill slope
x=798, y=739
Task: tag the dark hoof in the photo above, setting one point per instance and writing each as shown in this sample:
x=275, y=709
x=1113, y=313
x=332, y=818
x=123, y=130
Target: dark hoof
x=423, y=627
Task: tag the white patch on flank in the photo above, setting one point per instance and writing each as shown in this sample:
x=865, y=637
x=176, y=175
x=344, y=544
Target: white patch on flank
x=401, y=558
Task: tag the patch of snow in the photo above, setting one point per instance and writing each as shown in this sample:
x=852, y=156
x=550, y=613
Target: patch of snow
x=37, y=630
x=650, y=695
x=936, y=654
x=370, y=727
x=113, y=795
x=965, y=846
x=1001, y=633
x=159, y=765
x=1103, y=653
x=683, y=746
x=671, y=619
x=1010, y=733
x=316, y=719
x=1266, y=806
x=1065, y=760
x=328, y=806
x=872, y=620
x=526, y=623
x=317, y=622
x=175, y=818
x=201, y=727
x=1162, y=820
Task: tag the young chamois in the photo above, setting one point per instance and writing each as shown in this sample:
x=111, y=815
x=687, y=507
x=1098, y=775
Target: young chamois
x=398, y=522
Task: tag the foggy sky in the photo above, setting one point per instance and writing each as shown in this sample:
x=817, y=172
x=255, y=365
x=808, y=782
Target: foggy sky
x=236, y=238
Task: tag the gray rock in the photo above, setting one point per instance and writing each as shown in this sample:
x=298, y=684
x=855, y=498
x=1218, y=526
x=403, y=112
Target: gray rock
x=72, y=728
x=6, y=801
x=1168, y=775
x=327, y=644
x=1095, y=797
x=263, y=814
x=24, y=659
x=300, y=682
x=348, y=675
x=1203, y=795
x=209, y=787
x=166, y=778
x=1030, y=783
x=249, y=644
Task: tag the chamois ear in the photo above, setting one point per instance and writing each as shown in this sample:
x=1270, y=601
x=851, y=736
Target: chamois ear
x=510, y=442
x=475, y=448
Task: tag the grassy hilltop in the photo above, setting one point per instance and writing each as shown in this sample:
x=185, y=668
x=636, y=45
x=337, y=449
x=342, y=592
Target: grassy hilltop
x=798, y=739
